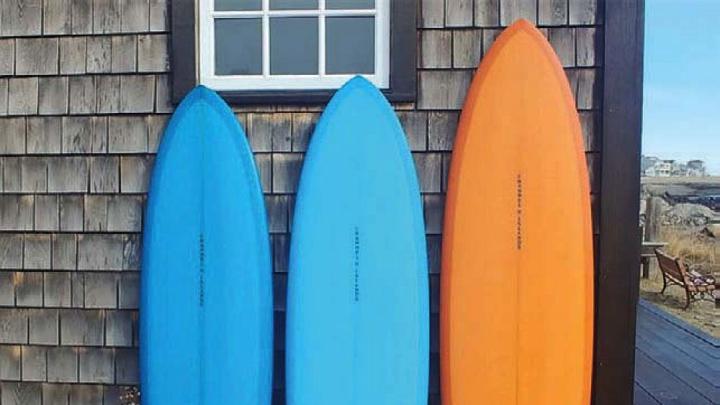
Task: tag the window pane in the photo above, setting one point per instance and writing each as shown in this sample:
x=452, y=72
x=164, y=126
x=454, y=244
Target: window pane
x=350, y=4
x=294, y=46
x=350, y=43
x=237, y=5
x=238, y=46
x=293, y=4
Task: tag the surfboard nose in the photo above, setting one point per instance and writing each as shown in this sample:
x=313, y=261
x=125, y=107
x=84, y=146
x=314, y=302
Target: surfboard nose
x=201, y=92
x=359, y=83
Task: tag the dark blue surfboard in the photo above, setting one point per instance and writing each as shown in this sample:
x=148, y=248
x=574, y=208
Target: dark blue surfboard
x=206, y=292
x=357, y=321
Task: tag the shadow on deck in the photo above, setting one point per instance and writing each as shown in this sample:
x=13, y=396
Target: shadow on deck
x=675, y=363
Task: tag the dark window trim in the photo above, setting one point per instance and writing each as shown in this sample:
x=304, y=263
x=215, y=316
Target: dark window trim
x=403, y=50
x=617, y=278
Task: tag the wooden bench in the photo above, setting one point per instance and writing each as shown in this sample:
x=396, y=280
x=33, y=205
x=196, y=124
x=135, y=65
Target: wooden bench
x=674, y=272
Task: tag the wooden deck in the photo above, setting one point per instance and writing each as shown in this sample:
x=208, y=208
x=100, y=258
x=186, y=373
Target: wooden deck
x=675, y=363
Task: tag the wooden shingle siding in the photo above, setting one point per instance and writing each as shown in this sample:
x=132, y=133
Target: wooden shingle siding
x=84, y=98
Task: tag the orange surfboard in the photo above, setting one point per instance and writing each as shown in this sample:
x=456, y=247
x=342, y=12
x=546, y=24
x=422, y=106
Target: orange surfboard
x=517, y=265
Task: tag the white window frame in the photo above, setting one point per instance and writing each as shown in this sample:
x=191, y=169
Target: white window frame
x=266, y=81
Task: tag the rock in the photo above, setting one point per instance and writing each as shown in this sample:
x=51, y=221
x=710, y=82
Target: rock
x=712, y=230
x=689, y=214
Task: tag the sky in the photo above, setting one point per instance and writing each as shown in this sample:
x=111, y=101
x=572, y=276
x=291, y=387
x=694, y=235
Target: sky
x=681, y=106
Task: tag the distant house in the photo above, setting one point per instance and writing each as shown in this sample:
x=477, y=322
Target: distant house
x=696, y=168
x=662, y=168
x=655, y=167
x=647, y=162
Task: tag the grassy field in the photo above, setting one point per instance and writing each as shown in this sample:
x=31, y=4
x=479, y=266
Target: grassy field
x=702, y=254
x=681, y=180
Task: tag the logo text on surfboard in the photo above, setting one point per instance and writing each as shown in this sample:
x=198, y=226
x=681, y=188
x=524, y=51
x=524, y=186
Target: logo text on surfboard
x=356, y=263
x=518, y=213
x=202, y=269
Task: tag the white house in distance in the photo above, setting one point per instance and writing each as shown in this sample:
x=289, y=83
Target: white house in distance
x=656, y=167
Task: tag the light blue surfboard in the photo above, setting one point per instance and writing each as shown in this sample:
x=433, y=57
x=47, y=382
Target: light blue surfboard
x=206, y=292
x=357, y=310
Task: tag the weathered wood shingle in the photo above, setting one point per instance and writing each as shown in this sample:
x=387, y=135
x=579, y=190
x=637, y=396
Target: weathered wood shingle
x=159, y=15
x=23, y=96
x=127, y=134
x=415, y=125
x=106, y=16
x=467, y=48
x=137, y=93
x=21, y=17
x=459, y=13
x=82, y=94
x=432, y=13
x=100, y=290
x=21, y=393
x=135, y=15
x=73, y=181
x=36, y=56
x=512, y=10
x=487, y=13
x=81, y=327
x=81, y=16
x=100, y=252
x=62, y=364
x=153, y=53
x=563, y=42
x=12, y=136
x=583, y=12
x=10, y=362
x=43, y=327
x=52, y=95
x=28, y=289
x=73, y=54
x=98, y=58
x=436, y=49
x=7, y=57
x=57, y=289
x=123, y=53
x=36, y=255
x=67, y=174
x=134, y=173
x=57, y=17
x=46, y=213
x=552, y=12
x=443, y=90
x=11, y=251
x=44, y=135
x=13, y=326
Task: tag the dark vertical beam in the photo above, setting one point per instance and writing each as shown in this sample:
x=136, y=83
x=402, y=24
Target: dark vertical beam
x=403, y=50
x=619, y=250
x=182, y=55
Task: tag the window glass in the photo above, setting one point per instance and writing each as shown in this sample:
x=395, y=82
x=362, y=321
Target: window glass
x=238, y=46
x=350, y=4
x=294, y=46
x=350, y=45
x=293, y=4
x=237, y=5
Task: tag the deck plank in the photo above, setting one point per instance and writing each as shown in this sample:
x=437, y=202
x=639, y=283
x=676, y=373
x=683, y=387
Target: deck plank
x=649, y=324
x=683, y=370
x=664, y=386
x=703, y=365
x=679, y=330
x=642, y=397
x=675, y=363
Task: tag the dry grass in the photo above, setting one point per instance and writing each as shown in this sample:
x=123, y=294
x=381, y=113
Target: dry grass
x=702, y=254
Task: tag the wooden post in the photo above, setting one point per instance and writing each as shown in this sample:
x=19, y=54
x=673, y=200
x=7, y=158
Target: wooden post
x=618, y=277
x=652, y=219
